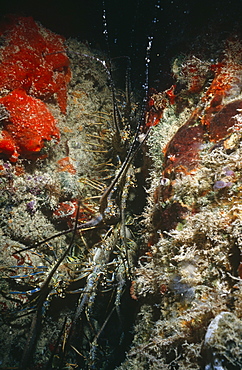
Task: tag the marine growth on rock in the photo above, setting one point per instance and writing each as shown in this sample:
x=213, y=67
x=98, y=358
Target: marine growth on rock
x=34, y=59
x=59, y=150
x=34, y=70
x=192, y=268
x=95, y=246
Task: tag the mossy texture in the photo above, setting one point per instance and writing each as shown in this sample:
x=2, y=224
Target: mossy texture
x=191, y=272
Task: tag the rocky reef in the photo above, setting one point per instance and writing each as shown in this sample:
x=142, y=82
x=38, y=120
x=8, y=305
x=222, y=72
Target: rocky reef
x=59, y=151
x=189, y=280
x=110, y=260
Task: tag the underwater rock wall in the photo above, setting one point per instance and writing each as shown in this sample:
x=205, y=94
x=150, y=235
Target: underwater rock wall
x=64, y=300
x=41, y=185
x=188, y=283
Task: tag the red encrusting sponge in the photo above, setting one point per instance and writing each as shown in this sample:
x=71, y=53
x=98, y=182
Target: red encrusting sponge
x=28, y=124
x=34, y=69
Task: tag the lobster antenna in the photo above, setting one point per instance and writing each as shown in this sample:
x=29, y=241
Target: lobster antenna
x=116, y=113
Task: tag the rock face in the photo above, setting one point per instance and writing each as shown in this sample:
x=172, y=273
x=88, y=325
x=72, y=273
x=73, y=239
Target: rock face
x=50, y=162
x=78, y=291
x=191, y=272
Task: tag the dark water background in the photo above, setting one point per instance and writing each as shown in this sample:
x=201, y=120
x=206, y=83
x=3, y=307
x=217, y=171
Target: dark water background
x=177, y=27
